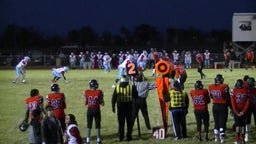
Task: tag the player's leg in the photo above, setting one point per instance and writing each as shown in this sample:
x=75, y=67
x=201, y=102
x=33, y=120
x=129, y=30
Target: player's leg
x=23, y=74
x=18, y=73
x=89, y=126
x=97, y=125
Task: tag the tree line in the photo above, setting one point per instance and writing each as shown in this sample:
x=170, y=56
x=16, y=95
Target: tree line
x=144, y=36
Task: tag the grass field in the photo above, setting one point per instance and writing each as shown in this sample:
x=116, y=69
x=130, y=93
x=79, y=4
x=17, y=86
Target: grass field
x=12, y=104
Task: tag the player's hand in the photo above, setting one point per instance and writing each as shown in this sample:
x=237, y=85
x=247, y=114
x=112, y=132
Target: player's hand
x=240, y=114
x=113, y=110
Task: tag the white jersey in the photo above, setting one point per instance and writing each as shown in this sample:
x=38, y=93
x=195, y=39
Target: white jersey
x=72, y=58
x=136, y=56
x=175, y=56
x=100, y=56
x=207, y=56
x=22, y=63
x=106, y=59
x=187, y=57
x=142, y=58
x=59, y=70
x=124, y=63
x=71, y=139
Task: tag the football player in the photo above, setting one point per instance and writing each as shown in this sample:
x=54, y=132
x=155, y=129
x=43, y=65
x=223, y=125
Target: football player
x=93, y=100
x=251, y=110
x=201, y=99
x=219, y=92
x=58, y=73
x=122, y=69
x=240, y=104
x=20, y=69
x=33, y=102
x=57, y=100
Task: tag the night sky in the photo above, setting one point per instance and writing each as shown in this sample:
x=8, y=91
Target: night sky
x=60, y=16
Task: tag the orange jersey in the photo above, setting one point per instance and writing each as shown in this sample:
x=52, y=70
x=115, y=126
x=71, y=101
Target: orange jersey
x=93, y=98
x=33, y=103
x=200, y=99
x=217, y=93
x=57, y=100
x=239, y=100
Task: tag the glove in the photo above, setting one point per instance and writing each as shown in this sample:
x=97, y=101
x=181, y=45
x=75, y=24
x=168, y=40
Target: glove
x=113, y=110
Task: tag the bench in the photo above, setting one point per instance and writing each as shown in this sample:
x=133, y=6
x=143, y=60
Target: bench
x=222, y=63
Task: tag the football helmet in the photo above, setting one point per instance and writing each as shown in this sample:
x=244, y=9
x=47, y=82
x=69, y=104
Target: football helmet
x=251, y=82
x=145, y=52
x=130, y=57
x=239, y=83
x=93, y=84
x=199, y=85
x=26, y=58
x=23, y=126
x=55, y=87
x=65, y=68
x=219, y=79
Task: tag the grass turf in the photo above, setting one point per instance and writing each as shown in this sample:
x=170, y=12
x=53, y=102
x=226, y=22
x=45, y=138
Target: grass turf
x=12, y=104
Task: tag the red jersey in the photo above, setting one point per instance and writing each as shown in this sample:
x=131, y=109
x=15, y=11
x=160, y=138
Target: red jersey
x=239, y=100
x=57, y=100
x=179, y=70
x=226, y=55
x=199, y=58
x=93, y=98
x=217, y=93
x=200, y=99
x=249, y=55
x=252, y=97
x=156, y=56
x=33, y=103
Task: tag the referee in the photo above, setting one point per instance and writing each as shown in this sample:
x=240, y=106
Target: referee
x=123, y=96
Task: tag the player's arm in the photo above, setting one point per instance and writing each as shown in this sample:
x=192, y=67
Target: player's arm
x=26, y=115
x=113, y=101
x=75, y=133
x=85, y=99
x=227, y=96
x=246, y=106
x=102, y=99
x=64, y=101
x=41, y=106
x=64, y=76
